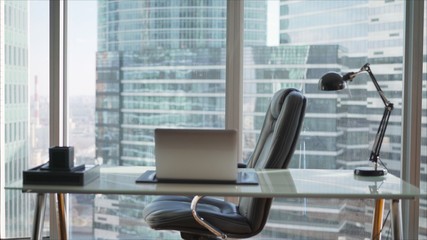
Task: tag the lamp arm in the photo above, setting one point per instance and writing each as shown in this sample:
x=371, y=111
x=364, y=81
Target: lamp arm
x=384, y=121
x=377, y=86
x=380, y=134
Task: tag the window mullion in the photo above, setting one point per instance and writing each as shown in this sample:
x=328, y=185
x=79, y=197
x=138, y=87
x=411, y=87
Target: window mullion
x=412, y=110
x=64, y=74
x=234, y=69
x=56, y=91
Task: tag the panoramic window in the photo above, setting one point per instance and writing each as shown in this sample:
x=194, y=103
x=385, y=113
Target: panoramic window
x=303, y=40
x=134, y=66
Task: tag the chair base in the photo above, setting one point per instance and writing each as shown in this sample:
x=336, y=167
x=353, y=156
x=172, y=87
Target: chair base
x=370, y=172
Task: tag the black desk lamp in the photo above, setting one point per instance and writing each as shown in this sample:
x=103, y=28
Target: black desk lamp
x=333, y=81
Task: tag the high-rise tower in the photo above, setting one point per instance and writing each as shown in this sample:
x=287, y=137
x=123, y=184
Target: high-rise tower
x=14, y=116
x=372, y=32
x=161, y=63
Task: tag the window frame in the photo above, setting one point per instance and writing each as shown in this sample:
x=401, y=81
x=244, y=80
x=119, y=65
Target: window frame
x=58, y=91
x=412, y=110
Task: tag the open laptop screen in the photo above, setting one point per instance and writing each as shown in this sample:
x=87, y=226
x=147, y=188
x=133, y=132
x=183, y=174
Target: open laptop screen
x=196, y=154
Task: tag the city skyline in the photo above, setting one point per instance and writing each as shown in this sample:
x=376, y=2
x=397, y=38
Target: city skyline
x=83, y=44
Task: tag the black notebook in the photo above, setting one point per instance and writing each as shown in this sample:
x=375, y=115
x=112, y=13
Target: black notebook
x=244, y=177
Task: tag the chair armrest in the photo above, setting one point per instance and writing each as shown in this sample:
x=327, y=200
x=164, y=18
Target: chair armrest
x=202, y=221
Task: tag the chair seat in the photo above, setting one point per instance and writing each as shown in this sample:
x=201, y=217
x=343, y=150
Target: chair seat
x=174, y=213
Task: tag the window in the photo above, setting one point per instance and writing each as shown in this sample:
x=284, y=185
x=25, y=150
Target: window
x=339, y=126
x=137, y=65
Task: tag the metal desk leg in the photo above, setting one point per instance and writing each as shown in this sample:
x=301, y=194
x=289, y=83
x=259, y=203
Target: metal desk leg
x=39, y=216
x=61, y=213
x=396, y=219
x=378, y=219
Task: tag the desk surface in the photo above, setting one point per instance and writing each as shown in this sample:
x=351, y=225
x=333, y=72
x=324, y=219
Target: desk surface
x=296, y=183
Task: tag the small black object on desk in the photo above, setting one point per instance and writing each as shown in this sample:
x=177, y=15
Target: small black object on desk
x=61, y=158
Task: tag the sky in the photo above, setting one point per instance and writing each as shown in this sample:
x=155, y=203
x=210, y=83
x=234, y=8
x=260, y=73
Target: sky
x=82, y=34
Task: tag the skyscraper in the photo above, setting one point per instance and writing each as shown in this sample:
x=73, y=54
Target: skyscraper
x=374, y=35
x=136, y=92
x=369, y=32
x=14, y=116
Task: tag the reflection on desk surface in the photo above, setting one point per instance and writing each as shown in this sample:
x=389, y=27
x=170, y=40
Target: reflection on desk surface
x=344, y=182
x=307, y=183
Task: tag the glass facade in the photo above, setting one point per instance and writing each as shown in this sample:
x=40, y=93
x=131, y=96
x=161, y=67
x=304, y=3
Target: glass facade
x=14, y=116
x=340, y=127
x=161, y=64
x=367, y=33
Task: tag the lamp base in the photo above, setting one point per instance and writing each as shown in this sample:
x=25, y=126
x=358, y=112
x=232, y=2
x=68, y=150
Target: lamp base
x=370, y=172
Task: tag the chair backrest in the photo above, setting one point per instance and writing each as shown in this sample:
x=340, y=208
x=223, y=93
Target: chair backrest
x=275, y=147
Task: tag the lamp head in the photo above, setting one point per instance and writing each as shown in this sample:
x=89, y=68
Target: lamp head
x=332, y=81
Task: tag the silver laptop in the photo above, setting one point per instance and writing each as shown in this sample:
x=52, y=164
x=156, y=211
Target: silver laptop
x=196, y=154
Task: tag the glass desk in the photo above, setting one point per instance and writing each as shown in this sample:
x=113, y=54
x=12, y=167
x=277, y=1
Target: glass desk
x=289, y=183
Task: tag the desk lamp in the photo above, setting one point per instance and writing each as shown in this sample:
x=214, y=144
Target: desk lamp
x=333, y=81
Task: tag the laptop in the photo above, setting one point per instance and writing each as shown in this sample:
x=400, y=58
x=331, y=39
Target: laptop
x=195, y=155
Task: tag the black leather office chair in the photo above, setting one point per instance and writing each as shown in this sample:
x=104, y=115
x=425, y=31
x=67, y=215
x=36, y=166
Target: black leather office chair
x=209, y=217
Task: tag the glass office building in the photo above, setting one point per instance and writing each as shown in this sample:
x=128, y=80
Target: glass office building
x=162, y=64
x=374, y=35
x=370, y=32
x=139, y=87
x=14, y=116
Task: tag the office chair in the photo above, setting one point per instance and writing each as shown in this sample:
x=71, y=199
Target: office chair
x=209, y=217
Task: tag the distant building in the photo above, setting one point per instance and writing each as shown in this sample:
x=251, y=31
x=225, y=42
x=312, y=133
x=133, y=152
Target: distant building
x=14, y=117
x=372, y=32
x=138, y=85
